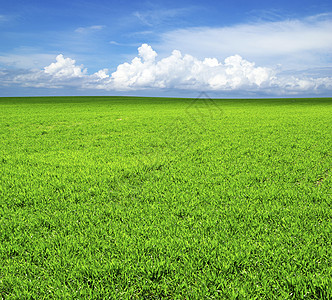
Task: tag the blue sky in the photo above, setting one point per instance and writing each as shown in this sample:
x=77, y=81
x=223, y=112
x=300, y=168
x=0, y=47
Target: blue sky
x=228, y=48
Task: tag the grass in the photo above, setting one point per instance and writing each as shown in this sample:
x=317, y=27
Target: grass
x=142, y=198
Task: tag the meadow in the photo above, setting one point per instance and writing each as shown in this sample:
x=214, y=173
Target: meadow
x=164, y=198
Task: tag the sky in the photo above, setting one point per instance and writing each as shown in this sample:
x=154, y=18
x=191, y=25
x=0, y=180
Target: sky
x=170, y=48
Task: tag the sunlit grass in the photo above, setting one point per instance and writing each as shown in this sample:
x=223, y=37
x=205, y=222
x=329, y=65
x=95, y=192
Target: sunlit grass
x=114, y=197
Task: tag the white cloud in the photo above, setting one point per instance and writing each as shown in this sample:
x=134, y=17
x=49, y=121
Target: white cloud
x=115, y=43
x=291, y=43
x=89, y=29
x=101, y=74
x=64, y=68
x=187, y=72
x=155, y=17
x=63, y=72
x=174, y=72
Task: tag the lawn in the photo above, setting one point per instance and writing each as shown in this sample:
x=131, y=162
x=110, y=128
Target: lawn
x=157, y=198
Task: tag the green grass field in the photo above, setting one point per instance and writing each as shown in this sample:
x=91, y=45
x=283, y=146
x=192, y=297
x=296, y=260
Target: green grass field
x=156, y=198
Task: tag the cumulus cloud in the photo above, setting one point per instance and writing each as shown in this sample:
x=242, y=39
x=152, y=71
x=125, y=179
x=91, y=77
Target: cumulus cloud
x=187, y=72
x=64, y=68
x=176, y=71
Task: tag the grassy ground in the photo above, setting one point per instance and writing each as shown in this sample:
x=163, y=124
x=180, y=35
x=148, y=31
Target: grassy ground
x=126, y=198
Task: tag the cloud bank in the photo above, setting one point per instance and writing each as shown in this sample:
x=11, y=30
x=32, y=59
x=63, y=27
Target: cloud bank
x=176, y=71
x=293, y=43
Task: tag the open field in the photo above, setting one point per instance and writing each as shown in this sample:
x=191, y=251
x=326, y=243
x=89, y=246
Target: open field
x=125, y=198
